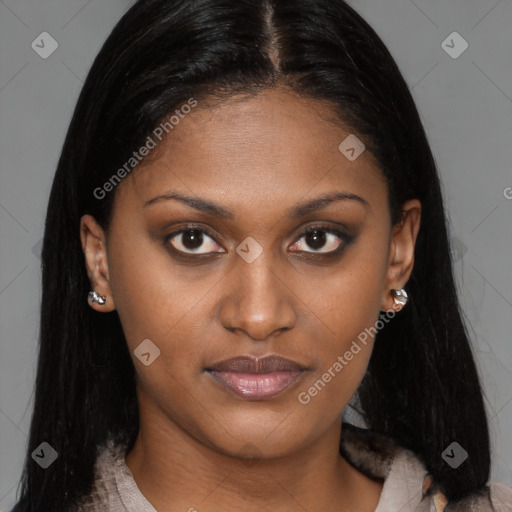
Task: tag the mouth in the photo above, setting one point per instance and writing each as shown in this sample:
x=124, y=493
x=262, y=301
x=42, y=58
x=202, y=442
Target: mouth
x=256, y=379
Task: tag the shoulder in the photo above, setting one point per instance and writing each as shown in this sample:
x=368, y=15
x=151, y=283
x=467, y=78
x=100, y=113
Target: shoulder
x=104, y=490
x=114, y=487
x=407, y=482
x=501, y=497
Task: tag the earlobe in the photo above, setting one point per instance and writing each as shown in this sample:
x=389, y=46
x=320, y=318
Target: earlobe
x=93, y=242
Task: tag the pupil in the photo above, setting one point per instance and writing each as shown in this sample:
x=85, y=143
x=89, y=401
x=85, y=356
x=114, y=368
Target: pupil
x=192, y=238
x=315, y=240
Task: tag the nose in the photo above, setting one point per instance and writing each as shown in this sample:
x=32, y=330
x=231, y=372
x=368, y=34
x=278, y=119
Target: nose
x=258, y=300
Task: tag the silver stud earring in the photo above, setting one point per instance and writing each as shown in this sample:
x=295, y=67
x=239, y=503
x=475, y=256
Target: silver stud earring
x=94, y=296
x=400, y=297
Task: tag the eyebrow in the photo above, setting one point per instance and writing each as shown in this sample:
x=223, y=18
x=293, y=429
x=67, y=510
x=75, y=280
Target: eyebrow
x=299, y=210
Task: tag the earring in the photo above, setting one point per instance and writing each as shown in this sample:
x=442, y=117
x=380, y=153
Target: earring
x=94, y=296
x=400, y=297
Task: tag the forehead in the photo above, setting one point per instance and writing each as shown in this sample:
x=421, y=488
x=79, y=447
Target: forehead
x=274, y=145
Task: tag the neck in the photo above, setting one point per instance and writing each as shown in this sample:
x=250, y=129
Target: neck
x=200, y=477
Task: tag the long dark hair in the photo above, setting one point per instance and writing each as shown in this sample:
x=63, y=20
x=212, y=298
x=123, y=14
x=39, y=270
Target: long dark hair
x=421, y=387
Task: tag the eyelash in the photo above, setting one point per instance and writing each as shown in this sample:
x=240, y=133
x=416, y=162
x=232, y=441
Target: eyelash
x=346, y=240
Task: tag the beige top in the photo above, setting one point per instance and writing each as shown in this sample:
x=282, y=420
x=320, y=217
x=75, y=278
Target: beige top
x=407, y=485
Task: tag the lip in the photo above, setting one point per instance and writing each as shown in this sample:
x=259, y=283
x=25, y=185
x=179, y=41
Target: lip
x=256, y=378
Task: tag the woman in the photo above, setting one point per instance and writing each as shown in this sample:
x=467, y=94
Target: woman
x=245, y=237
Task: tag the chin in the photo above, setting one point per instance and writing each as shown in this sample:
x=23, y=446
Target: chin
x=257, y=437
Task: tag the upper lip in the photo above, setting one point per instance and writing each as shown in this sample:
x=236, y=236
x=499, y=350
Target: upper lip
x=250, y=364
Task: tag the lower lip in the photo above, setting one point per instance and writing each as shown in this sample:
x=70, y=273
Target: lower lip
x=256, y=386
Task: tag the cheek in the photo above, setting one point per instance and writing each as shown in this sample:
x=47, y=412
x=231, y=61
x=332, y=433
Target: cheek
x=348, y=306
x=154, y=303
x=153, y=297
x=342, y=362
x=348, y=299
x=169, y=305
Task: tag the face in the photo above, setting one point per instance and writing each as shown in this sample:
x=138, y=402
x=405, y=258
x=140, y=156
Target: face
x=218, y=249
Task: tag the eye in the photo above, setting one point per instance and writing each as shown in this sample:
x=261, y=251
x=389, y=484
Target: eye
x=191, y=240
x=197, y=241
x=322, y=240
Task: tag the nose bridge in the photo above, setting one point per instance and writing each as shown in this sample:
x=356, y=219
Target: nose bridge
x=259, y=302
x=258, y=280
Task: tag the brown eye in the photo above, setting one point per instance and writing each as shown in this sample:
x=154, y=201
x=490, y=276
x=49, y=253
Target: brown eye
x=318, y=238
x=193, y=241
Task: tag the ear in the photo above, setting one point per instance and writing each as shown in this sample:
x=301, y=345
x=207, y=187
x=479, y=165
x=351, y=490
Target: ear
x=401, y=256
x=94, y=248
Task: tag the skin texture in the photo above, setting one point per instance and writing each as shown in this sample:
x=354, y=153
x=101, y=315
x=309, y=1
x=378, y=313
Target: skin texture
x=257, y=156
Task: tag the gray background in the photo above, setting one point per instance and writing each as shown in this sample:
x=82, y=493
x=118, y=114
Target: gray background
x=466, y=106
